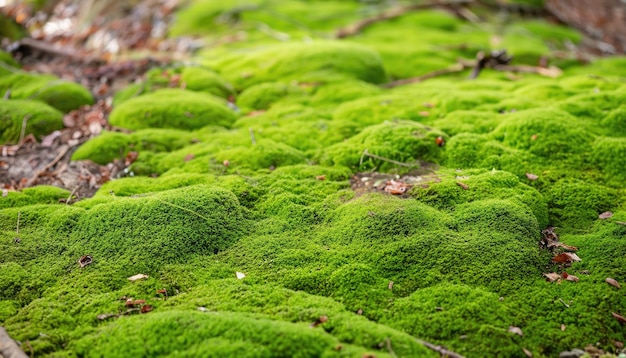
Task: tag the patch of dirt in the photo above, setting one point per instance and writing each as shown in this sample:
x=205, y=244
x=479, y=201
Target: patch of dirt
x=395, y=184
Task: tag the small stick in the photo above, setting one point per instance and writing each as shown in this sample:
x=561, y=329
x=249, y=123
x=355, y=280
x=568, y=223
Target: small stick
x=563, y=302
x=459, y=67
x=366, y=153
x=441, y=350
x=62, y=152
x=391, y=352
x=17, y=230
x=71, y=194
x=252, y=136
x=23, y=130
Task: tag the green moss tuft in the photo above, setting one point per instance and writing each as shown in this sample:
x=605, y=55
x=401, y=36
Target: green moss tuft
x=172, y=108
x=201, y=79
x=62, y=95
x=610, y=155
x=262, y=96
x=41, y=119
x=307, y=62
x=401, y=141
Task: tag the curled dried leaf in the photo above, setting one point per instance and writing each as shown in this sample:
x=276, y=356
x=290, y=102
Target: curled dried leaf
x=85, y=260
x=319, y=321
x=566, y=257
x=440, y=141
x=572, y=278
x=531, y=176
x=605, y=215
x=130, y=158
x=321, y=177
x=612, y=282
x=462, y=185
x=138, y=276
x=146, y=308
x=552, y=276
x=516, y=330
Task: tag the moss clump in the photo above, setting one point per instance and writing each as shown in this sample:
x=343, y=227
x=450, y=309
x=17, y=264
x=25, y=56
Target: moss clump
x=614, y=123
x=396, y=140
x=468, y=122
x=42, y=194
x=167, y=227
x=40, y=119
x=337, y=93
x=262, y=96
x=201, y=79
x=115, y=145
x=313, y=61
x=574, y=204
x=172, y=108
x=610, y=155
x=62, y=95
x=546, y=133
x=263, y=155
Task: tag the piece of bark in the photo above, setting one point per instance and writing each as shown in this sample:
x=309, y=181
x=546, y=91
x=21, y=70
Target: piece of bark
x=8, y=347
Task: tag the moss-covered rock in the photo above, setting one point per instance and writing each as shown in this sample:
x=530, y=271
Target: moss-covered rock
x=62, y=95
x=27, y=117
x=172, y=108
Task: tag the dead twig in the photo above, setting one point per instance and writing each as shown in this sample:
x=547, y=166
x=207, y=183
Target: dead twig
x=62, y=152
x=441, y=350
x=391, y=352
x=8, y=347
x=393, y=13
x=459, y=67
x=252, y=136
x=368, y=154
x=23, y=130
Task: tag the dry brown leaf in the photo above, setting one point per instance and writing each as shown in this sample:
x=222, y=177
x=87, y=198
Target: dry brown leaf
x=130, y=158
x=619, y=317
x=424, y=113
x=572, y=278
x=566, y=257
x=138, y=276
x=462, y=185
x=618, y=344
x=440, y=141
x=612, y=282
x=390, y=286
x=319, y=321
x=85, y=260
x=146, y=308
x=605, y=215
x=531, y=176
x=189, y=157
x=321, y=177
x=563, y=327
x=552, y=276
x=516, y=330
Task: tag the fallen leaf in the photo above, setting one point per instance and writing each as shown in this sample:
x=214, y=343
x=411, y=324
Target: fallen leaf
x=146, y=308
x=428, y=105
x=396, y=187
x=552, y=276
x=189, y=157
x=618, y=344
x=566, y=257
x=390, y=286
x=620, y=222
x=321, y=177
x=424, y=113
x=618, y=317
x=605, y=215
x=527, y=352
x=572, y=278
x=138, y=276
x=462, y=185
x=516, y=330
x=563, y=327
x=5, y=192
x=531, y=176
x=240, y=275
x=85, y=260
x=226, y=163
x=130, y=158
x=48, y=140
x=319, y=321
x=440, y=141
x=612, y=282
x=533, y=137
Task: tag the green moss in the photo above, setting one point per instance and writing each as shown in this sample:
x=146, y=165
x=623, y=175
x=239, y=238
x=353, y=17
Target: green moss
x=7, y=309
x=108, y=146
x=546, y=133
x=610, y=155
x=62, y=95
x=593, y=105
x=308, y=62
x=40, y=119
x=204, y=80
x=262, y=96
x=172, y=108
x=401, y=141
x=468, y=121
x=615, y=122
x=337, y=93
x=574, y=204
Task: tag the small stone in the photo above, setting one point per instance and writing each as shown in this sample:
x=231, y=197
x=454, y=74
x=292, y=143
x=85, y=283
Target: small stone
x=574, y=353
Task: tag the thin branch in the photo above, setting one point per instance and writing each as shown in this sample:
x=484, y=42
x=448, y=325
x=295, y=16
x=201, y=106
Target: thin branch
x=459, y=67
x=23, y=130
x=393, y=13
x=252, y=136
x=62, y=152
x=391, y=352
x=368, y=154
x=441, y=350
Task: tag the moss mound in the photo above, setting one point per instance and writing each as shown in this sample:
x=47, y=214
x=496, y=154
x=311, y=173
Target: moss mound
x=42, y=194
x=62, y=95
x=262, y=96
x=172, y=108
x=306, y=62
x=38, y=118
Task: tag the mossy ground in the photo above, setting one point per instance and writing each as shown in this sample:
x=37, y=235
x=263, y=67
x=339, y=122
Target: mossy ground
x=261, y=186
